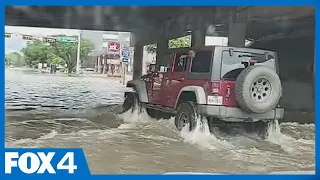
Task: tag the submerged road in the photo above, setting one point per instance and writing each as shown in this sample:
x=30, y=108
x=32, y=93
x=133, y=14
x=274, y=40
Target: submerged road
x=44, y=110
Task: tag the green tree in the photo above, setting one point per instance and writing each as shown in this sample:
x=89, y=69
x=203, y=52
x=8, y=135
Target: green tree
x=55, y=53
x=36, y=52
x=68, y=52
x=15, y=59
x=56, y=60
x=173, y=43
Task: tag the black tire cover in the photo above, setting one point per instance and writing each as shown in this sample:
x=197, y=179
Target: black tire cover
x=244, y=91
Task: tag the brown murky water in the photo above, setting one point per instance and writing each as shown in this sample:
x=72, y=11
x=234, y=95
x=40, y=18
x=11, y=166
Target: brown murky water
x=55, y=111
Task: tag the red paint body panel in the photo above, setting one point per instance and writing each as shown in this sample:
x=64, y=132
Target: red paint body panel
x=170, y=89
x=174, y=93
x=229, y=99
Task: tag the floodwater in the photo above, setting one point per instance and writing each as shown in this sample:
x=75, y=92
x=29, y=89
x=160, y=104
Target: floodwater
x=44, y=110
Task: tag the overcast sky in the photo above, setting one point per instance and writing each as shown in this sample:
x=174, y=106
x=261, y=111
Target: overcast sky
x=16, y=43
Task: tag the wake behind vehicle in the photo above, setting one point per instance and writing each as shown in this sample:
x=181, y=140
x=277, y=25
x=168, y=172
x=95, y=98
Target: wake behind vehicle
x=227, y=85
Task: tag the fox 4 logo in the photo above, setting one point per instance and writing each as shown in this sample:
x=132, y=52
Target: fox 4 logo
x=39, y=163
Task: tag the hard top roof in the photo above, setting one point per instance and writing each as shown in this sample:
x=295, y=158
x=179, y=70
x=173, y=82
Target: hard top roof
x=212, y=47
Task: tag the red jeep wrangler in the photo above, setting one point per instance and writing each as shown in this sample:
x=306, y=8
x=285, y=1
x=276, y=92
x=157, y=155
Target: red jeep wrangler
x=227, y=85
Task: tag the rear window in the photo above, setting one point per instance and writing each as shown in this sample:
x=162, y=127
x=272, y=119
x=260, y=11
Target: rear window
x=231, y=66
x=201, y=62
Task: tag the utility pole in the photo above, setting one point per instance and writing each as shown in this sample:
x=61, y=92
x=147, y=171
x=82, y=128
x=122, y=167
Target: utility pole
x=121, y=41
x=124, y=69
x=78, y=54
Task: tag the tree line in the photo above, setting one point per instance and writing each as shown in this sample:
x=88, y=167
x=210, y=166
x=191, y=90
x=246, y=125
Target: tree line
x=58, y=53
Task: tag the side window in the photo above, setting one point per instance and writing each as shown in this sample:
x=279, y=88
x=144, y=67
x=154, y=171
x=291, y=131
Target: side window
x=231, y=66
x=180, y=63
x=201, y=62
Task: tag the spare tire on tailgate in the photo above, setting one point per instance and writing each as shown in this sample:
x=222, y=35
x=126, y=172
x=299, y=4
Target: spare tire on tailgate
x=258, y=89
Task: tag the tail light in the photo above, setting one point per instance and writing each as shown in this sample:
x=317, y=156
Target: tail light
x=215, y=87
x=214, y=98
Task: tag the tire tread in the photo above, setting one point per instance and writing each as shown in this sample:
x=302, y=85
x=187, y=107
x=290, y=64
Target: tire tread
x=241, y=91
x=192, y=107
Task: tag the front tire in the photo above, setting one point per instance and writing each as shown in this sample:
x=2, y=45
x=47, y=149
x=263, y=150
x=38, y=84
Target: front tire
x=186, y=115
x=131, y=102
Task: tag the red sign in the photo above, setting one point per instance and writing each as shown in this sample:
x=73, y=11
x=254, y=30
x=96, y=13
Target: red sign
x=113, y=47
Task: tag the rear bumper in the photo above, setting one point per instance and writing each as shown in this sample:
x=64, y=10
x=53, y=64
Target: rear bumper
x=232, y=114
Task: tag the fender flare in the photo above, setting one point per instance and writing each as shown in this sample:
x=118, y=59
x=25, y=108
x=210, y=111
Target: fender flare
x=141, y=89
x=198, y=91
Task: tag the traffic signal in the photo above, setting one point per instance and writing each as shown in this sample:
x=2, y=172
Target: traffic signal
x=7, y=35
x=27, y=37
x=50, y=40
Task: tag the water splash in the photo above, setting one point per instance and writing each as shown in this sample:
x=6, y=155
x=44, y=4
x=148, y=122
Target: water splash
x=287, y=143
x=202, y=136
x=136, y=115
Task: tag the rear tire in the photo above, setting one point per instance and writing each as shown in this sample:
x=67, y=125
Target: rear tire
x=263, y=132
x=186, y=115
x=260, y=128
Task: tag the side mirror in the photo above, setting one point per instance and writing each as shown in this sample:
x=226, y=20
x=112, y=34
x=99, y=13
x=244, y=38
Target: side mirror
x=152, y=68
x=191, y=54
x=163, y=69
x=248, y=42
